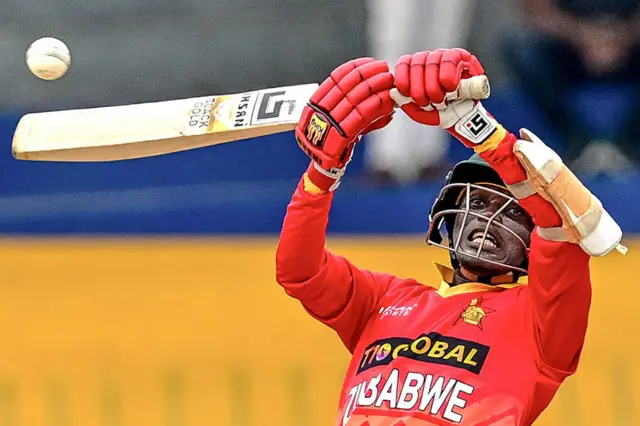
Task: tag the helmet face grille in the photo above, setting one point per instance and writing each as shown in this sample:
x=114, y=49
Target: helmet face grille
x=441, y=221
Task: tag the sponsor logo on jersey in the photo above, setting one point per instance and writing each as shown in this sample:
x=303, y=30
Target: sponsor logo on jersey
x=396, y=311
x=474, y=313
x=317, y=129
x=432, y=348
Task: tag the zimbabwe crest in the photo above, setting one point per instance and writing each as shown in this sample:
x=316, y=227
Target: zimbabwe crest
x=474, y=313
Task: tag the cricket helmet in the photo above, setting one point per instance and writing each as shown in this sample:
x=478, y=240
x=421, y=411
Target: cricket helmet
x=465, y=176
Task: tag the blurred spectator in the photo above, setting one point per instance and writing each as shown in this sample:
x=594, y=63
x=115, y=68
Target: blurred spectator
x=403, y=151
x=579, y=62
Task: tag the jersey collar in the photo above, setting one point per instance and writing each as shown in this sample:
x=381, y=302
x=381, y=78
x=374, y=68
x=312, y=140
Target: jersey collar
x=446, y=278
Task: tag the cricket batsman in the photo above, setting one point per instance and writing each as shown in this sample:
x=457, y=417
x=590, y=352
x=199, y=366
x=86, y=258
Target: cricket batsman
x=490, y=343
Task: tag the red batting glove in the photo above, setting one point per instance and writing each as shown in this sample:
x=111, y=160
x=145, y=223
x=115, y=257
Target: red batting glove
x=431, y=80
x=353, y=101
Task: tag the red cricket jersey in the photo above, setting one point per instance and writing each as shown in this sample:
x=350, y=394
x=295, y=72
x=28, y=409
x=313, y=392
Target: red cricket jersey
x=472, y=354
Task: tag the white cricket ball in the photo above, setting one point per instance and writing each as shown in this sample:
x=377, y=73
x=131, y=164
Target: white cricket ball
x=48, y=58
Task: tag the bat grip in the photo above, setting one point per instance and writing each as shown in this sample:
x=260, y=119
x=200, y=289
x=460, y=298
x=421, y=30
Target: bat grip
x=476, y=87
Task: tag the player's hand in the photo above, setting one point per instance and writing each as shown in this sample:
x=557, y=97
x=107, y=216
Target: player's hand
x=432, y=81
x=353, y=101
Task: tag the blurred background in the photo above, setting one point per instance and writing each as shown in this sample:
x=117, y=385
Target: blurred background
x=143, y=292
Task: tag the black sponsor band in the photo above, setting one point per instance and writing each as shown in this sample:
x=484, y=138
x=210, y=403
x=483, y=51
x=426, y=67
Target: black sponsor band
x=433, y=348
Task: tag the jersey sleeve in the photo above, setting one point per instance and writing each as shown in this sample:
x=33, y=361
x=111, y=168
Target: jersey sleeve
x=330, y=288
x=558, y=296
x=558, y=302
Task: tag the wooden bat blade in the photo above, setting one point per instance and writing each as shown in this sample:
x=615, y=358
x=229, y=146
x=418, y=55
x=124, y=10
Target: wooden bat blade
x=148, y=129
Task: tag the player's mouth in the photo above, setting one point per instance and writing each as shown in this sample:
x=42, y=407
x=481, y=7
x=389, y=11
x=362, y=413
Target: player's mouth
x=491, y=242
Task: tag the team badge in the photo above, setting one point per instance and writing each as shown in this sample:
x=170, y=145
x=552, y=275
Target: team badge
x=474, y=313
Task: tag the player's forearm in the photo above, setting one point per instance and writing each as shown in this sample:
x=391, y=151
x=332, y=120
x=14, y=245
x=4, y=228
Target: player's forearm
x=498, y=152
x=301, y=249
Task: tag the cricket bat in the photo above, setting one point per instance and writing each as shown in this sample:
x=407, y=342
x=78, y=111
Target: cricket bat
x=125, y=132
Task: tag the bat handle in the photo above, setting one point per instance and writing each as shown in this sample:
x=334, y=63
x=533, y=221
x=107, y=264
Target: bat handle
x=476, y=87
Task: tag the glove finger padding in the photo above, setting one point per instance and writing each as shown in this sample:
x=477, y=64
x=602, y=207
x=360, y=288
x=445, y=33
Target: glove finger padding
x=329, y=94
x=409, y=82
x=585, y=221
x=417, y=76
x=352, y=101
x=401, y=71
x=432, y=81
x=432, y=84
x=455, y=65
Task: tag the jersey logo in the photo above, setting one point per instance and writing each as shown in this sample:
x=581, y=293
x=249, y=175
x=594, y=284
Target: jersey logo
x=433, y=348
x=396, y=311
x=474, y=313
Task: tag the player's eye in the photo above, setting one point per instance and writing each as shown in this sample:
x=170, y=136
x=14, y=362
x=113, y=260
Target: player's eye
x=515, y=211
x=477, y=203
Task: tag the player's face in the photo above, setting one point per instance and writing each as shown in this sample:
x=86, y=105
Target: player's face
x=500, y=245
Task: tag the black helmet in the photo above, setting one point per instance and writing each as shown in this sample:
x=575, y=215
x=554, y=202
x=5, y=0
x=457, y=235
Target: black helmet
x=465, y=176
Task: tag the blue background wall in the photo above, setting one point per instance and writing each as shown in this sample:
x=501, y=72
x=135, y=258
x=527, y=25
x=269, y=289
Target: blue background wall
x=241, y=187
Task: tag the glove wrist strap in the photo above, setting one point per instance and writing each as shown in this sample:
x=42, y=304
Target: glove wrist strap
x=475, y=127
x=322, y=180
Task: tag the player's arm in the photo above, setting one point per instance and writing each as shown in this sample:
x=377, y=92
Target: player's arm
x=352, y=101
x=558, y=296
x=560, y=205
x=559, y=292
x=571, y=224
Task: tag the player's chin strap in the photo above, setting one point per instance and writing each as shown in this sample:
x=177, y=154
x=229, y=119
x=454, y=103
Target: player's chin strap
x=584, y=219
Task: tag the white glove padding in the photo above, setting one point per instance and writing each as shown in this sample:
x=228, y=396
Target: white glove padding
x=449, y=113
x=585, y=221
